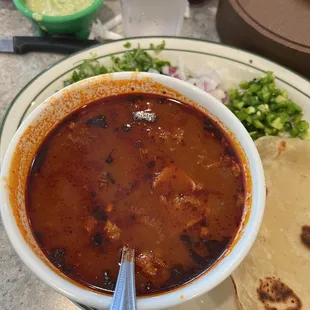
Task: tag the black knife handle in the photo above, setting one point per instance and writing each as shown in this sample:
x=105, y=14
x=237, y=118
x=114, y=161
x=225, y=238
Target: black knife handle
x=24, y=45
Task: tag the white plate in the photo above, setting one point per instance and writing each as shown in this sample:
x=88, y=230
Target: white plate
x=235, y=65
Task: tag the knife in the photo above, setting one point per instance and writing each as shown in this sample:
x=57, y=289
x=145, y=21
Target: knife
x=61, y=45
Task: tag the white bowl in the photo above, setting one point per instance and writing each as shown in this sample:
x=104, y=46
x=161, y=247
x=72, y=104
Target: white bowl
x=35, y=128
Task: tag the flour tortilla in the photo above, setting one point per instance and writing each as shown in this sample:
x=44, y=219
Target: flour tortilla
x=276, y=273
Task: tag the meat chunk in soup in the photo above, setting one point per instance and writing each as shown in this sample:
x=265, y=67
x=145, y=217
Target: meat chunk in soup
x=172, y=180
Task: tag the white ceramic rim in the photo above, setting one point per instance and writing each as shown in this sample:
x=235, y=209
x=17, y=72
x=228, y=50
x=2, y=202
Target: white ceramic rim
x=194, y=289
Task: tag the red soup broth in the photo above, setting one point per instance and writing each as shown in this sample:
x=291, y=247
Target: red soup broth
x=139, y=170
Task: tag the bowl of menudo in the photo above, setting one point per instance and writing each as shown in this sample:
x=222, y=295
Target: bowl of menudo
x=134, y=159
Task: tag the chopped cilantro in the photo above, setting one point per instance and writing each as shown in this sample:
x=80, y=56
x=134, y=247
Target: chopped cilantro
x=136, y=59
x=127, y=45
x=157, y=48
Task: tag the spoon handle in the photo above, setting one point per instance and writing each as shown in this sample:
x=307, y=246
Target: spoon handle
x=124, y=297
x=131, y=282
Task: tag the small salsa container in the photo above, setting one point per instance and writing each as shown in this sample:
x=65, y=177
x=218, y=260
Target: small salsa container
x=77, y=23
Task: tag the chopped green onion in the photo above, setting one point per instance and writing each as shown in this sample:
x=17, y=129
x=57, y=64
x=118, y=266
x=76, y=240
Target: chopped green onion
x=280, y=99
x=277, y=123
x=266, y=110
x=284, y=93
x=250, y=110
x=270, y=131
x=244, y=85
x=263, y=108
x=304, y=135
x=238, y=104
x=241, y=115
x=233, y=93
x=302, y=126
x=254, y=88
x=258, y=124
x=270, y=76
x=272, y=86
x=287, y=126
x=296, y=118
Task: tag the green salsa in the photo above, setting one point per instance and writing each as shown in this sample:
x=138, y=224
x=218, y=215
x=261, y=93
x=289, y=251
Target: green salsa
x=57, y=7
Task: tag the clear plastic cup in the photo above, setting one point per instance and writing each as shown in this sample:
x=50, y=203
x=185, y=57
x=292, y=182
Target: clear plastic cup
x=153, y=17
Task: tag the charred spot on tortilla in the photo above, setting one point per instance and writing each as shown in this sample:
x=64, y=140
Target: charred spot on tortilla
x=276, y=295
x=266, y=191
x=305, y=235
x=281, y=148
